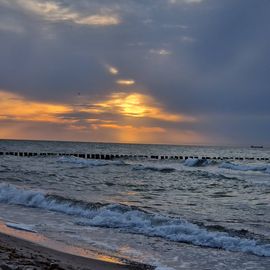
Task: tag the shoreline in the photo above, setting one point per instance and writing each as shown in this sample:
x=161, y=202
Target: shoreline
x=25, y=250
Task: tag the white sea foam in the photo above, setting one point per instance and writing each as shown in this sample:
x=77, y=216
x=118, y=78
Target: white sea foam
x=175, y=230
x=163, y=169
x=22, y=227
x=132, y=220
x=196, y=162
x=160, y=267
x=245, y=167
x=90, y=162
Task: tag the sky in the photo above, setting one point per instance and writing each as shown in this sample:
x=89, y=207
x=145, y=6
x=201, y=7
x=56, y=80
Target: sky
x=136, y=71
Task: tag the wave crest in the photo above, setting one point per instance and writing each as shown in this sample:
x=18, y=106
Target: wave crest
x=131, y=219
x=196, y=162
x=141, y=167
x=90, y=162
x=245, y=167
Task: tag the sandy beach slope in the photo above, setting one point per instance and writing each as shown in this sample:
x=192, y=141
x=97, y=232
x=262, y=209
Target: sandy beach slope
x=20, y=254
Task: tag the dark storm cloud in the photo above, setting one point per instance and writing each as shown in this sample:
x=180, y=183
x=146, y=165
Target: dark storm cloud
x=52, y=58
x=205, y=58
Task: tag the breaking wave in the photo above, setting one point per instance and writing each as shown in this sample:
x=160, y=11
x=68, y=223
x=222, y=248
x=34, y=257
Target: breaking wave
x=131, y=219
x=90, y=162
x=153, y=168
x=196, y=162
x=162, y=168
x=245, y=167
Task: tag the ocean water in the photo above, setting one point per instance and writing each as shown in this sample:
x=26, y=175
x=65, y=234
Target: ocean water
x=173, y=214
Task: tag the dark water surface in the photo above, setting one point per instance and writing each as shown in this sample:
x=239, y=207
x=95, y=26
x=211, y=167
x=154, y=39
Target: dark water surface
x=170, y=213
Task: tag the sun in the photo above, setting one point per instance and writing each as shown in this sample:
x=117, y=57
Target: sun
x=132, y=105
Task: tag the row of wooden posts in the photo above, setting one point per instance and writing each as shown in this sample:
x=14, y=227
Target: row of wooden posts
x=117, y=156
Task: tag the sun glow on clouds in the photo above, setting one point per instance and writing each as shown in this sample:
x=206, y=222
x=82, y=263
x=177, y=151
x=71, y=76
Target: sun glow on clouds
x=131, y=134
x=15, y=107
x=125, y=82
x=136, y=105
x=53, y=11
x=112, y=70
x=120, y=117
x=98, y=20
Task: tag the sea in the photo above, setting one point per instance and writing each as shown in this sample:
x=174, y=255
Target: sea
x=171, y=214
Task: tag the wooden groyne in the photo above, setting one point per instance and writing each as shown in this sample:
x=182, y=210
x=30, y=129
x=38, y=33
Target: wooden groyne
x=119, y=156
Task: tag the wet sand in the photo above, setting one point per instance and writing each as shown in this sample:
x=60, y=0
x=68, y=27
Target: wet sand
x=21, y=254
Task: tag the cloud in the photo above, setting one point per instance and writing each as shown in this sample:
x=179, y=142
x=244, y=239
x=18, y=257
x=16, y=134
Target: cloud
x=201, y=59
x=177, y=26
x=125, y=82
x=17, y=108
x=120, y=117
x=193, y=1
x=112, y=70
x=53, y=11
x=129, y=133
x=185, y=1
x=188, y=39
x=9, y=25
x=160, y=51
x=135, y=105
x=98, y=20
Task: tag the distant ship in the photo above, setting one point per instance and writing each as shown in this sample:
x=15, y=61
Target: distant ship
x=256, y=146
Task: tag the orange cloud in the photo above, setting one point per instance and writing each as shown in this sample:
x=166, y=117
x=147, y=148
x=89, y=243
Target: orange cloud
x=112, y=70
x=132, y=128
x=125, y=82
x=53, y=11
x=131, y=134
x=136, y=105
x=15, y=107
x=104, y=20
x=121, y=117
x=145, y=134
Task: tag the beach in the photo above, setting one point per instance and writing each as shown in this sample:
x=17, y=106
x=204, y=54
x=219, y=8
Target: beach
x=18, y=253
x=134, y=135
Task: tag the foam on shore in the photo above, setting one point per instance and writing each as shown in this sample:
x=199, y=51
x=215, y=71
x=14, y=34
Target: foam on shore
x=132, y=220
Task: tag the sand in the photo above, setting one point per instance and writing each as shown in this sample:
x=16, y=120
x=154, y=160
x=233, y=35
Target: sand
x=21, y=254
